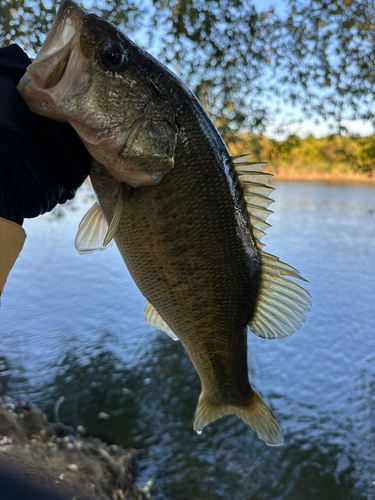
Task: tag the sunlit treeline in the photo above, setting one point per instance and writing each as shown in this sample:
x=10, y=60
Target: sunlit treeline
x=311, y=157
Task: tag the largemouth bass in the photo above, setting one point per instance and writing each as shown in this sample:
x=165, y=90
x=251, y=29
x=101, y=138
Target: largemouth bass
x=186, y=217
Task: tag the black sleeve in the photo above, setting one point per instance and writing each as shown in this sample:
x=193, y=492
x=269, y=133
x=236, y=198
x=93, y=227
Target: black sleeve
x=42, y=162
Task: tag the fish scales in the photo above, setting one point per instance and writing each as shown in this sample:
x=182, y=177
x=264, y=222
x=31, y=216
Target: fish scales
x=190, y=297
x=208, y=307
x=186, y=217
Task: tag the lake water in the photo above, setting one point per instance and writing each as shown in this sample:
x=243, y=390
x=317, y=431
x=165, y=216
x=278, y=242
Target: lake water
x=73, y=326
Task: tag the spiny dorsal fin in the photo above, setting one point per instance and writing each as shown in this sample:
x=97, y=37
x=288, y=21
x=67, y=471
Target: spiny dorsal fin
x=91, y=231
x=282, y=304
x=154, y=319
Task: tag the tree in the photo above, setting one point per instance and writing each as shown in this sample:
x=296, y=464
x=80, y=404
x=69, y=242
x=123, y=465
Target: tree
x=241, y=61
x=326, y=56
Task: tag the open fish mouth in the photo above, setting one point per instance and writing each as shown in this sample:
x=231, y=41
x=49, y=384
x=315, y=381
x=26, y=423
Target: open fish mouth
x=50, y=65
x=87, y=74
x=66, y=24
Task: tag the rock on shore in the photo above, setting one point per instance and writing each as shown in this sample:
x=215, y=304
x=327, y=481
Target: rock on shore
x=52, y=461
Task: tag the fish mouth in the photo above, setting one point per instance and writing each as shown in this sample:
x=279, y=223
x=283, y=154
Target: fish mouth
x=49, y=67
x=66, y=24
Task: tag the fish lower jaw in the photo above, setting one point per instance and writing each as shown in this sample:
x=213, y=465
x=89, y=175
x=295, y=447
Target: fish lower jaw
x=39, y=101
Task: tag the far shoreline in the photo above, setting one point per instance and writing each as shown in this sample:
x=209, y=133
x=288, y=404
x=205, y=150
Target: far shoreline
x=331, y=177
x=333, y=159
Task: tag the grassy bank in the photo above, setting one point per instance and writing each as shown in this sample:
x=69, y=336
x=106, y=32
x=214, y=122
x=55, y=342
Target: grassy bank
x=333, y=158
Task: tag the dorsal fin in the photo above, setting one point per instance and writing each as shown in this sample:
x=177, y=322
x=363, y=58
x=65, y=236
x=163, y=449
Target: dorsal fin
x=281, y=304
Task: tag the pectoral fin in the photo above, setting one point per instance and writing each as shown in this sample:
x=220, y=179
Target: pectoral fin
x=94, y=234
x=117, y=213
x=281, y=304
x=91, y=231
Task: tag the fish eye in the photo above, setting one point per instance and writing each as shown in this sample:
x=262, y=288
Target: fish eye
x=112, y=55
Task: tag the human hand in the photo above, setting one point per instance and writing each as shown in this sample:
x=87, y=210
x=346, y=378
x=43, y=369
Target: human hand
x=42, y=162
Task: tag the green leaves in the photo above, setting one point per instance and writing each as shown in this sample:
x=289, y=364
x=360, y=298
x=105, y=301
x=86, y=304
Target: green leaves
x=334, y=42
x=25, y=22
x=242, y=62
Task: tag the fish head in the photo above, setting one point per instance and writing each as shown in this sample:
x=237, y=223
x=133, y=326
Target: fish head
x=89, y=74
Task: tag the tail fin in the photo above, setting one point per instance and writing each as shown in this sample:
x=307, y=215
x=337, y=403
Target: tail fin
x=256, y=414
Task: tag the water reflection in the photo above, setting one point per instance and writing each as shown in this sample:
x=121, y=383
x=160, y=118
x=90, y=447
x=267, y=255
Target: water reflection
x=160, y=393
x=151, y=407
x=73, y=326
x=4, y=374
x=344, y=199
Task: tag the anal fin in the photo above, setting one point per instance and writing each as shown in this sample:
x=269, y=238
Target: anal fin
x=154, y=319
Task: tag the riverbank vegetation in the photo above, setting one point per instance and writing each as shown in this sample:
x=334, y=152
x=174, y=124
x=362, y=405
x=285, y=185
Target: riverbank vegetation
x=333, y=158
